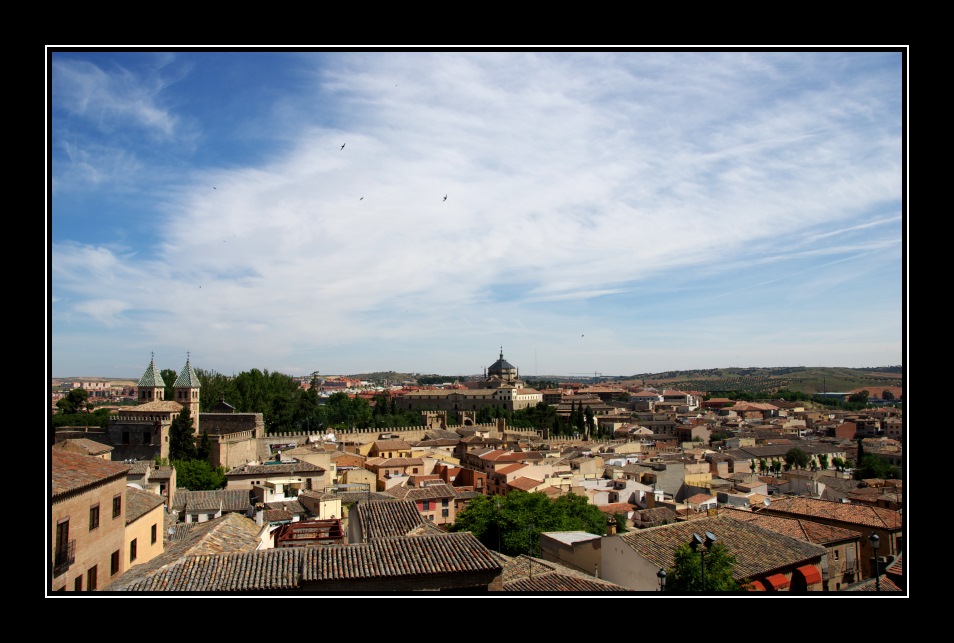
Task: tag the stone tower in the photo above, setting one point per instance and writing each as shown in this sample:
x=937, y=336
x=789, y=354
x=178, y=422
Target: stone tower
x=150, y=387
x=187, y=392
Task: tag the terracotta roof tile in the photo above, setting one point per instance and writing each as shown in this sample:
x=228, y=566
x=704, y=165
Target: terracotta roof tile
x=72, y=471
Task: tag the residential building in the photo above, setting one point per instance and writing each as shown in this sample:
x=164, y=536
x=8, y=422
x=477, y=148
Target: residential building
x=87, y=521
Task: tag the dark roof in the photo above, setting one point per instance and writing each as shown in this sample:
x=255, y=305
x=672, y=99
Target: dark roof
x=288, y=568
x=151, y=378
x=427, y=492
x=139, y=503
x=758, y=551
x=204, y=501
x=187, y=378
x=73, y=471
x=387, y=518
x=274, y=469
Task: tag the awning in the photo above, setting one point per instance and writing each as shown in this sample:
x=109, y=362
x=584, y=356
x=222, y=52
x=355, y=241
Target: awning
x=777, y=581
x=811, y=574
x=756, y=586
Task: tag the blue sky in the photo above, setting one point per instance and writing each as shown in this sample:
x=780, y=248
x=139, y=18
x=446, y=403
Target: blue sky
x=612, y=212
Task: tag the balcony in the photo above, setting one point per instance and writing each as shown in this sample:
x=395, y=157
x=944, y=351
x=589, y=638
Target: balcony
x=64, y=557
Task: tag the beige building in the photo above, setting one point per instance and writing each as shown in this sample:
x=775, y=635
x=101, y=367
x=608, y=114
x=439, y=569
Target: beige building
x=87, y=521
x=145, y=516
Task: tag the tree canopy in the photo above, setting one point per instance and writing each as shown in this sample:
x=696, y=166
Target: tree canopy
x=796, y=458
x=198, y=475
x=512, y=524
x=74, y=402
x=182, y=437
x=687, y=573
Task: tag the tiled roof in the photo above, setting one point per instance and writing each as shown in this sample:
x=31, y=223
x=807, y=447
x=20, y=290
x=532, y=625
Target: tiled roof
x=287, y=568
x=206, y=501
x=392, y=444
x=524, y=484
x=151, y=378
x=527, y=574
x=510, y=468
x=83, y=445
x=393, y=462
x=187, y=378
x=897, y=567
x=871, y=585
x=275, y=469
x=861, y=515
x=161, y=406
x=139, y=503
x=813, y=532
x=72, y=471
x=427, y=492
x=386, y=519
x=757, y=550
x=229, y=533
x=161, y=473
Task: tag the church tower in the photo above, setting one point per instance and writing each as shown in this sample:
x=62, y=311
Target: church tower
x=150, y=387
x=187, y=392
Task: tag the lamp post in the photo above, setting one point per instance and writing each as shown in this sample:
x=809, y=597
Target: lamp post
x=875, y=544
x=661, y=575
x=700, y=544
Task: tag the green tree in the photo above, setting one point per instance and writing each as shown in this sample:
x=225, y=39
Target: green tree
x=763, y=466
x=776, y=467
x=169, y=377
x=887, y=395
x=620, y=519
x=838, y=463
x=823, y=460
x=204, y=446
x=797, y=458
x=514, y=522
x=861, y=397
x=198, y=475
x=182, y=437
x=590, y=421
x=687, y=575
x=874, y=466
x=74, y=402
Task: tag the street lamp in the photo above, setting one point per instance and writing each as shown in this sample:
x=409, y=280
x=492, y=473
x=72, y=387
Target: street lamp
x=661, y=575
x=875, y=544
x=700, y=544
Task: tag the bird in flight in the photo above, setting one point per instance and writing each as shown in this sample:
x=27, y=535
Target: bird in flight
x=214, y=188
x=445, y=198
x=342, y=146
x=361, y=199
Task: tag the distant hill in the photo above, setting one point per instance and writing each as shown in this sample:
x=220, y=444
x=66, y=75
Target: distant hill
x=803, y=379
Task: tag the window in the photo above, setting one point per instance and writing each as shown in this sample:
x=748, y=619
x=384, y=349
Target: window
x=78, y=584
x=426, y=505
x=209, y=516
x=444, y=502
x=91, y=579
x=836, y=554
x=125, y=437
x=114, y=563
x=147, y=438
x=94, y=517
x=132, y=550
x=445, y=513
x=117, y=506
x=153, y=535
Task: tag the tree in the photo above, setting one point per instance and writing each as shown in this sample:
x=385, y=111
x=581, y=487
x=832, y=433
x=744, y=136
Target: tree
x=838, y=463
x=204, y=447
x=797, y=458
x=823, y=460
x=182, y=437
x=198, y=475
x=874, y=466
x=74, y=402
x=861, y=397
x=887, y=395
x=513, y=523
x=686, y=575
x=169, y=378
x=776, y=467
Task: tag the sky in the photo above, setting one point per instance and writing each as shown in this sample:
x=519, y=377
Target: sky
x=420, y=211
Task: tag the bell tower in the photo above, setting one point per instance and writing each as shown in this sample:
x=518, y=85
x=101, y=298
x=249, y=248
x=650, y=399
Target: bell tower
x=187, y=392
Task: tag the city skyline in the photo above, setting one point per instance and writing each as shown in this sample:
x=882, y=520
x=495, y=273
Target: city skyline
x=584, y=211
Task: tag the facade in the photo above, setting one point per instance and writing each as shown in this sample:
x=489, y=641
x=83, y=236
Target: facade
x=87, y=520
x=145, y=518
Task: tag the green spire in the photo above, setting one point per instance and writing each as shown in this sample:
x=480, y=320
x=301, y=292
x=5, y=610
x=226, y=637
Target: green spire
x=151, y=378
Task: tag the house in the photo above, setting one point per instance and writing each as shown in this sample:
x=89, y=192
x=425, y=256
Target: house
x=158, y=480
x=85, y=446
x=887, y=524
x=766, y=559
x=145, y=519
x=436, y=562
x=436, y=502
x=201, y=506
x=538, y=575
x=87, y=521
x=278, y=480
x=839, y=566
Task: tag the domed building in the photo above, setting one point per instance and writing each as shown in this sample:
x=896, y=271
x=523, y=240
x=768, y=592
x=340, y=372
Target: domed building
x=502, y=373
x=501, y=387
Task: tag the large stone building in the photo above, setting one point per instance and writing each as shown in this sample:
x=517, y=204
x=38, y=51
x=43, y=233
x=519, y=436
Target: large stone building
x=142, y=432
x=502, y=387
